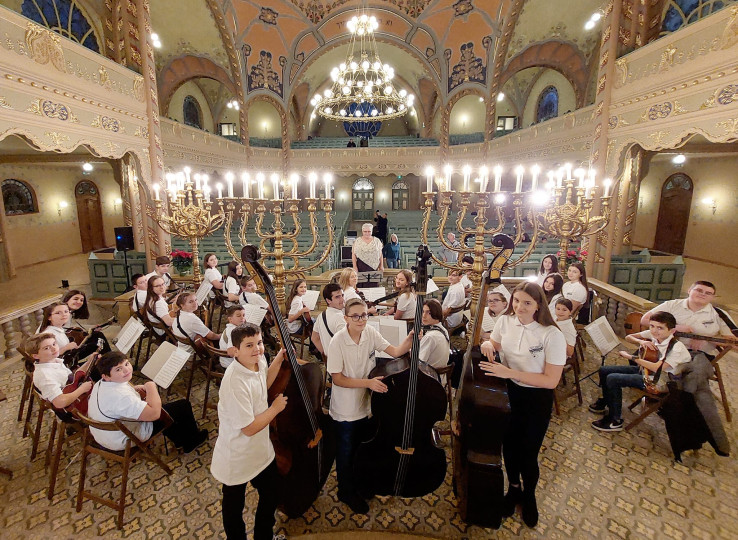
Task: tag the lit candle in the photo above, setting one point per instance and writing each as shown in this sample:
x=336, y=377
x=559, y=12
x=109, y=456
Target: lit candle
x=551, y=181
x=219, y=187
x=156, y=191
x=180, y=181
x=327, y=179
x=559, y=177
x=313, y=177
x=606, y=185
x=535, y=171
x=207, y=193
x=467, y=175
x=429, y=172
x=498, y=178
x=567, y=168
x=580, y=174
x=246, y=179
x=260, y=183
x=447, y=171
x=229, y=180
x=275, y=186
x=187, y=173
x=483, y=178
x=294, y=179
x=205, y=180
x=592, y=174
x=197, y=181
x=519, y=172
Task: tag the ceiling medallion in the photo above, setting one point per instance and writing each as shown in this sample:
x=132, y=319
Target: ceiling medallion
x=362, y=85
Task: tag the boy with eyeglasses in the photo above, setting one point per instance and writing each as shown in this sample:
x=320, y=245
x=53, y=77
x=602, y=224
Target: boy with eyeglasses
x=351, y=356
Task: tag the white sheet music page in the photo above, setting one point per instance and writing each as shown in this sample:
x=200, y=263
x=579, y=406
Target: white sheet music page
x=392, y=330
x=254, y=313
x=202, y=292
x=603, y=335
x=128, y=335
x=372, y=294
x=431, y=286
x=310, y=299
x=165, y=364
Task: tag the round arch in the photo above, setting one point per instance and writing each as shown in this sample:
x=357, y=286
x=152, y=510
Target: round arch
x=278, y=107
x=446, y=116
x=185, y=68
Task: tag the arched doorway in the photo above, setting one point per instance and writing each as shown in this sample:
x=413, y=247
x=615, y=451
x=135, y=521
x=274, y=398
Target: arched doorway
x=671, y=228
x=362, y=200
x=89, y=213
x=400, y=195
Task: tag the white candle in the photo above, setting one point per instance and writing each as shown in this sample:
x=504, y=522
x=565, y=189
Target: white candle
x=197, y=181
x=606, y=185
x=551, y=181
x=229, y=180
x=498, y=178
x=275, y=186
x=313, y=177
x=327, y=179
x=156, y=192
x=467, y=175
x=483, y=178
x=205, y=180
x=580, y=174
x=447, y=171
x=180, y=181
x=429, y=172
x=260, y=183
x=519, y=172
x=567, y=168
x=535, y=170
x=592, y=174
x=246, y=179
x=219, y=187
x=559, y=178
x=294, y=179
x=187, y=173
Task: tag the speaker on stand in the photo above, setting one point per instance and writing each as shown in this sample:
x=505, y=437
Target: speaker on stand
x=124, y=242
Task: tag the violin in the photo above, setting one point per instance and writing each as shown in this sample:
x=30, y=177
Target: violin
x=80, y=377
x=81, y=336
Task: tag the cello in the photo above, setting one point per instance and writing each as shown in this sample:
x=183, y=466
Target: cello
x=301, y=434
x=401, y=458
x=482, y=417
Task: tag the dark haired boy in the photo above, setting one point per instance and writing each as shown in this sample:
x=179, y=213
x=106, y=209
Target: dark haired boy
x=331, y=320
x=161, y=269
x=672, y=357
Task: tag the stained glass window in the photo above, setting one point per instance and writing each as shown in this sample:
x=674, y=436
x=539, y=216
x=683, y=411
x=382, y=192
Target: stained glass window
x=18, y=198
x=367, y=129
x=548, y=104
x=191, y=112
x=65, y=17
x=678, y=13
x=363, y=183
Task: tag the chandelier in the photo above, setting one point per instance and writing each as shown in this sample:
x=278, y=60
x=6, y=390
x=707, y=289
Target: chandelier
x=362, y=87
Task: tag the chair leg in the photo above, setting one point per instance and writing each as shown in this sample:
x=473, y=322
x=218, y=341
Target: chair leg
x=208, y=377
x=37, y=431
x=57, y=458
x=723, y=395
x=577, y=384
x=52, y=439
x=557, y=409
x=123, y=486
x=82, y=469
x=29, y=413
x=647, y=410
x=24, y=397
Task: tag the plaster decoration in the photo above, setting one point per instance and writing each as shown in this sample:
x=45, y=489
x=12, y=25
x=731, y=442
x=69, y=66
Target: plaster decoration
x=57, y=138
x=44, y=46
x=667, y=58
x=49, y=109
x=728, y=95
x=622, y=66
x=730, y=34
x=4, y=103
x=142, y=131
x=103, y=78
x=462, y=7
x=729, y=126
x=268, y=15
x=138, y=89
x=107, y=123
x=470, y=68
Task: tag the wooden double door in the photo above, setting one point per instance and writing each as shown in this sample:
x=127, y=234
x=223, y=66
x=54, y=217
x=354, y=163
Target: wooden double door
x=89, y=214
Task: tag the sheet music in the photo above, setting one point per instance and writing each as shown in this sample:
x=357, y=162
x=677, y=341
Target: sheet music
x=310, y=299
x=128, y=335
x=392, y=330
x=254, y=314
x=165, y=364
x=603, y=335
x=487, y=323
x=503, y=290
x=430, y=286
x=371, y=294
x=202, y=292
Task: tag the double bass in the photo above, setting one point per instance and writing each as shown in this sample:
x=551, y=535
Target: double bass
x=301, y=434
x=401, y=458
x=482, y=417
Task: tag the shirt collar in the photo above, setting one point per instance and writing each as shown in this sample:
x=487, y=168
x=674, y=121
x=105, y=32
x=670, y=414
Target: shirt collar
x=532, y=326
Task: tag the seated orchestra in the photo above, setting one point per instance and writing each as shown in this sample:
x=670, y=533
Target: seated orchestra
x=525, y=335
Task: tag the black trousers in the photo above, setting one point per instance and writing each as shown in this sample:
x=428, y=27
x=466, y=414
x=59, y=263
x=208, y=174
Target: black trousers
x=530, y=415
x=266, y=484
x=184, y=429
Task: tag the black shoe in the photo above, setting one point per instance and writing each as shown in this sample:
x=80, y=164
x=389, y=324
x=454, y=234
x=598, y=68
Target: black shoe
x=608, y=424
x=598, y=407
x=530, y=508
x=356, y=503
x=202, y=436
x=513, y=497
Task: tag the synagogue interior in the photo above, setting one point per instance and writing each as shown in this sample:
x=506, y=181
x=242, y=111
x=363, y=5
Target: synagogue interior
x=593, y=140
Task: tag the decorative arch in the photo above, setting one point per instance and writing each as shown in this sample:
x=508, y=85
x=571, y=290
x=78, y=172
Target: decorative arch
x=362, y=184
x=65, y=17
x=18, y=197
x=277, y=104
x=547, y=105
x=446, y=118
x=185, y=68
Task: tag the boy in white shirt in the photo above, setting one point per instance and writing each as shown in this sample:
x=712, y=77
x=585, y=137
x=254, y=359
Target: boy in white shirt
x=243, y=452
x=161, y=270
x=563, y=309
x=455, y=297
x=331, y=320
x=140, y=284
x=236, y=316
x=250, y=296
x=672, y=357
x=351, y=356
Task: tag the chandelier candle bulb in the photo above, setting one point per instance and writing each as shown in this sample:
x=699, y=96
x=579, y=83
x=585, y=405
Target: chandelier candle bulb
x=467, y=175
x=187, y=171
x=260, y=183
x=592, y=174
x=483, y=178
x=327, y=179
x=567, y=168
x=207, y=193
x=580, y=174
x=197, y=181
x=313, y=179
x=606, y=183
x=275, y=186
x=246, y=181
x=447, y=172
x=294, y=179
x=535, y=171
x=219, y=187
x=498, y=178
x=519, y=172
x=229, y=181
x=429, y=172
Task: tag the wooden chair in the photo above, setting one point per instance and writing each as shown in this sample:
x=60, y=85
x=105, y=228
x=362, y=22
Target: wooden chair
x=573, y=365
x=722, y=351
x=300, y=337
x=212, y=370
x=199, y=359
x=64, y=430
x=219, y=302
x=650, y=403
x=462, y=324
x=134, y=448
x=35, y=431
x=27, y=396
x=154, y=336
x=446, y=372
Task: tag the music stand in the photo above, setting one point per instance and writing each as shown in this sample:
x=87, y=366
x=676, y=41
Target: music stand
x=604, y=338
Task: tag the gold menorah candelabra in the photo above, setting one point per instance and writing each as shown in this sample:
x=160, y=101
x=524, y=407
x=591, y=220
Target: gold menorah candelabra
x=283, y=242
x=188, y=214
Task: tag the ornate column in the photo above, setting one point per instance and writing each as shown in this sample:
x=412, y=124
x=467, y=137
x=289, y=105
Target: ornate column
x=156, y=159
x=605, y=84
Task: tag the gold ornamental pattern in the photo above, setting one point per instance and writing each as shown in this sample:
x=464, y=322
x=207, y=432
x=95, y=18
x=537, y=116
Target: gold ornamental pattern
x=44, y=46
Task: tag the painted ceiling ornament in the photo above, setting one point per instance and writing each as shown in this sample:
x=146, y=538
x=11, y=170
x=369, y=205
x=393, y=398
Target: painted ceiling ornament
x=263, y=75
x=362, y=87
x=469, y=69
x=268, y=15
x=462, y=7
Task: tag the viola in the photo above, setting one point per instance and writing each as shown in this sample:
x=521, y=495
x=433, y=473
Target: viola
x=301, y=433
x=401, y=458
x=80, y=377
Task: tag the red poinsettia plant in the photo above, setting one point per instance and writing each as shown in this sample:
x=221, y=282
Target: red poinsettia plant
x=181, y=257
x=574, y=255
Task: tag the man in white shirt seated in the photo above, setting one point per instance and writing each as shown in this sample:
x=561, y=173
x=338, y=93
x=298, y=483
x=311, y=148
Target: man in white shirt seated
x=114, y=398
x=331, y=320
x=455, y=298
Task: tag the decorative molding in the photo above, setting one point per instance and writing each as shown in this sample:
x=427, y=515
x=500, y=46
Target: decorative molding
x=44, y=46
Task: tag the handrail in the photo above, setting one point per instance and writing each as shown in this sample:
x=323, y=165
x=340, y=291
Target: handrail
x=17, y=320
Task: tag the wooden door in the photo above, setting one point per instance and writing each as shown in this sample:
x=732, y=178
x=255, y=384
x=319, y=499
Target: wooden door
x=671, y=228
x=362, y=200
x=400, y=196
x=89, y=214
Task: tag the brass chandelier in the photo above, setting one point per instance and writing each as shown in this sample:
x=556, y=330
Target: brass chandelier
x=362, y=89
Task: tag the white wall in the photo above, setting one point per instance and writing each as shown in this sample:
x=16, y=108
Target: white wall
x=175, y=105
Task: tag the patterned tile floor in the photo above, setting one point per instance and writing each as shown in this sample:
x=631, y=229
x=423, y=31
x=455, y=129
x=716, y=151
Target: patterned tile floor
x=592, y=485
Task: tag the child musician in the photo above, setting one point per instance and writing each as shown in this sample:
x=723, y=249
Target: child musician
x=404, y=307
x=78, y=309
x=156, y=308
x=55, y=316
x=549, y=265
x=455, y=297
x=187, y=324
x=672, y=357
x=552, y=285
x=576, y=289
x=351, y=356
x=435, y=345
x=114, y=398
x=162, y=270
x=243, y=452
x=249, y=294
x=331, y=320
x=236, y=316
x=140, y=283
x=231, y=285
x=212, y=274
x=563, y=320
x=298, y=309
x=348, y=280
x=534, y=354
x=496, y=306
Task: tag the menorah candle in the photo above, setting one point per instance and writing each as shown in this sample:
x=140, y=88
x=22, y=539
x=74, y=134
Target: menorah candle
x=246, y=181
x=498, y=178
x=313, y=179
x=429, y=172
x=327, y=180
x=260, y=183
x=275, y=186
x=294, y=179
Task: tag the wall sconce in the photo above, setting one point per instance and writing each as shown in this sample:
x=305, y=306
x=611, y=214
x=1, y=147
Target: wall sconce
x=116, y=202
x=62, y=206
x=709, y=201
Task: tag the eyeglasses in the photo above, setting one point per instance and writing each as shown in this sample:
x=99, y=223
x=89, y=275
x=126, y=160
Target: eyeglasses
x=494, y=301
x=357, y=318
x=703, y=291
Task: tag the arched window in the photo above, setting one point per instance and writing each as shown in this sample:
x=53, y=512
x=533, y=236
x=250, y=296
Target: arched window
x=191, y=112
x=18, y=198
x=548, y=104
x=65, y=17
x=678, y=13
x=366, y=129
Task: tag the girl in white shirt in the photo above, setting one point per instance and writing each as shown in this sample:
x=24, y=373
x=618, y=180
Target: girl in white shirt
x=212, y=275
x=576, y=289
x=236, y=317
x=404, y=307
x=534, y=352
x=348, y=280
x=188, y=325
x=552, y=286
x=549, y=265
x=496, y=306
x=231, y=286
x=563, y=310
x=55, y=316
x=435, y=345
x=156, y=308
x=298, y=309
